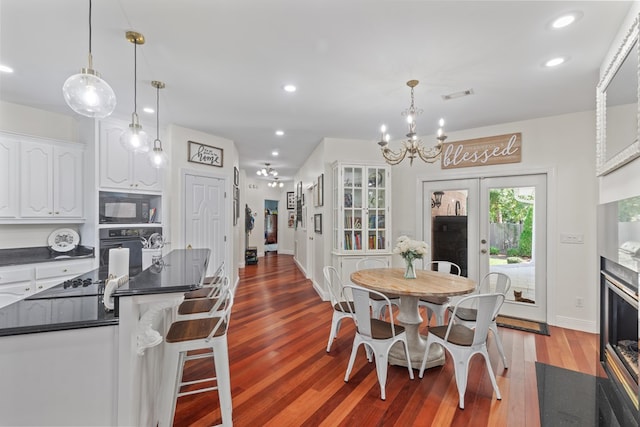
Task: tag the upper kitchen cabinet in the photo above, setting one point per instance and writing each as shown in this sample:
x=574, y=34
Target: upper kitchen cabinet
x=9, y=148
x=121, y=169
x=51, y=180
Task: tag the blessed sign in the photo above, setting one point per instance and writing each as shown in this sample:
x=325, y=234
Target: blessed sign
x=206, y=154
x=491, y=150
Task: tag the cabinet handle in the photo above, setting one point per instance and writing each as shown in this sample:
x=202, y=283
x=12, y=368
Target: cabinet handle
x=40, y=287
x=65, y=270
x=27, y=289
x=50, y=213
x=136, y=185
x=57, y=213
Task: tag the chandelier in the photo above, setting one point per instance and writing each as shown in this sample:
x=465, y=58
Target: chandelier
x=267, y=171
x=412, y=147
x=276, y=183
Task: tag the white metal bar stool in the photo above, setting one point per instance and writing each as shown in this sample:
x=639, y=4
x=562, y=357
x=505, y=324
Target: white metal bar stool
x=197, y=334
x=213, y=305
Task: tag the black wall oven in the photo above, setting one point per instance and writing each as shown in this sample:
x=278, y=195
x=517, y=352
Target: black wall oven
x=130, y=238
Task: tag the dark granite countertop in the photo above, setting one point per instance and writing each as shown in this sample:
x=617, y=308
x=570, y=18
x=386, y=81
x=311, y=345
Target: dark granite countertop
x=20, y=256
x=79, y=303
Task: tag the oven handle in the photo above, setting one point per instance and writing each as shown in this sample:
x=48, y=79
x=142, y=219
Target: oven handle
x=621, y=290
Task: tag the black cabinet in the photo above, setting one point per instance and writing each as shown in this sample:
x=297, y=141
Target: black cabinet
x=449, y=240
x=251, y=255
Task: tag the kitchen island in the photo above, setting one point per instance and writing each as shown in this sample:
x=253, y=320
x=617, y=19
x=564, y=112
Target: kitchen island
x=75, y=363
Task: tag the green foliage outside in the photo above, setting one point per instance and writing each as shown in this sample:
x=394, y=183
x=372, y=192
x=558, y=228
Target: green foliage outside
x=494, y=251
x=513, y=252
x=514, y=260
x=628, y=210
x=526, y=237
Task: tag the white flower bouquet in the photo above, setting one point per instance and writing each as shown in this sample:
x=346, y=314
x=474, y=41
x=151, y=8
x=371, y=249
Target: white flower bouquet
x=409, y=250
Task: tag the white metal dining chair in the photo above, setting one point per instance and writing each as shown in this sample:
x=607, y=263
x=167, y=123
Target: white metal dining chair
x=438, y=305
x=462, y=342
x=341, y=306
x=491, y=283
x=378, y=336
x=378, y=305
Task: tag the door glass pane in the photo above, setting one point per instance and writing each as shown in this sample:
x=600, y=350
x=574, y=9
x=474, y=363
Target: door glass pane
x=511, y=239
x=449, y=227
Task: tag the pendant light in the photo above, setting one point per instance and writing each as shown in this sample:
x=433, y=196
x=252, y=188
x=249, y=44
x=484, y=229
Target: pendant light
x=135, y=139
x=86, y=93
x=157, y=157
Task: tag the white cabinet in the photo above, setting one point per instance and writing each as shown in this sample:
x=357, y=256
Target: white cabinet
x=8, y=177
x=121, y=169
x=54, y=273
x=361, y=214
x=51, y=180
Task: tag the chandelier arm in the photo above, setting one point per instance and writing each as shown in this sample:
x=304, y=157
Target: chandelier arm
x=431, y=155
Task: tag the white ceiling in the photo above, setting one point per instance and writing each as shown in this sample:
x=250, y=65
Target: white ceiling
x=225, y=61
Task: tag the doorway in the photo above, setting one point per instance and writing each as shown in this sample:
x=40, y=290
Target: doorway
x=495, y=224
x=204, y=219
x=270, y=226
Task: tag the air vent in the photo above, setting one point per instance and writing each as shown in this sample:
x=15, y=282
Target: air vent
x=457, y=94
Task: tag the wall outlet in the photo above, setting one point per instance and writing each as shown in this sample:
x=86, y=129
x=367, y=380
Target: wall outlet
x=579, y=302
x=572, y=238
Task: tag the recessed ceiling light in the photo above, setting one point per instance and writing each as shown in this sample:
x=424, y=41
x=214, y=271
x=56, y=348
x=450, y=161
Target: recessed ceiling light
x=554, y=62
x=6, y=69
x=279, y=132
x=290, y=88
x=275, y=153
x=148, y=110
x=566, y=19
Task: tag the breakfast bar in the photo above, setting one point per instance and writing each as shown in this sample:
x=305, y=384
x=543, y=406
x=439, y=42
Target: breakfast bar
x=78, y=363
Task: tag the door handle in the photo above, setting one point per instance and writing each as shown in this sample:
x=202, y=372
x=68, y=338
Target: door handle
x=483, y=241
x=189, y=247
x=483, y=251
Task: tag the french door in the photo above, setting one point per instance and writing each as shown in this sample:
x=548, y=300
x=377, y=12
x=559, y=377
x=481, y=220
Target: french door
x=495, y=224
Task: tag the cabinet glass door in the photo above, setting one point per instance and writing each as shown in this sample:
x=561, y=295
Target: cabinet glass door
x=353, y=208
x=376, y=208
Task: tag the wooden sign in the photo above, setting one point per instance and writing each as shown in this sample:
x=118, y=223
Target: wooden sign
x=491, y=150
x=205, y=154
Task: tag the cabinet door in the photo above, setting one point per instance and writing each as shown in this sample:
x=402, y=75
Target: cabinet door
x=115, y=160
x=145, y=176
x=67, y=182
x=377, y=209
x=8, y=178
x=354, y=208
x=36, y=170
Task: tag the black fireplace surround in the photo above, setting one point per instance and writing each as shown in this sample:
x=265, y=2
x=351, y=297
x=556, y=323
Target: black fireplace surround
x=618, y=237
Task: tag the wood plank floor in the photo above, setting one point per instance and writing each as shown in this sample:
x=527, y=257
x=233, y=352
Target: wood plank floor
x=281, y=374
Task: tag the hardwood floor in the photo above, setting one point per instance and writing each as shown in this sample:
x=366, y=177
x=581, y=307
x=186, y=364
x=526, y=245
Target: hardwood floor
x=281, y=374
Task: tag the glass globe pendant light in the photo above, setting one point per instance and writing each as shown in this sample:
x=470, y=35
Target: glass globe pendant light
x=86, y=93
x=135, y=139
x=157, y=157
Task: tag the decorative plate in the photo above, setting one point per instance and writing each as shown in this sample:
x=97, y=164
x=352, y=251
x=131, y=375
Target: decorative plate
x=156, y=241
x=63, y=240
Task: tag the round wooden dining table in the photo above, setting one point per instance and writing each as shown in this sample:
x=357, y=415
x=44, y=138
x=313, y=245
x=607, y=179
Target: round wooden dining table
x=427, y=284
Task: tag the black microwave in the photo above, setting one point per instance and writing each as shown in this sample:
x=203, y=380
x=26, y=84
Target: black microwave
x=115, y=209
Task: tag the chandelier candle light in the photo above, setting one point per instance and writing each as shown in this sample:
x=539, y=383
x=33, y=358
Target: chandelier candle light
x=410, y=250
x=412, y=147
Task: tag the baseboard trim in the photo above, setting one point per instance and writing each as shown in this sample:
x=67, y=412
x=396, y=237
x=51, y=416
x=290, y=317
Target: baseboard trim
x=576, y=324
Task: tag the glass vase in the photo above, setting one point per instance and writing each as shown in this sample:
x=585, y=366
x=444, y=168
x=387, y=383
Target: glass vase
x=410, y=271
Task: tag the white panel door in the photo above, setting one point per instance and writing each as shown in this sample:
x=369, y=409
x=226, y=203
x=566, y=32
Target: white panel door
x=204, y=216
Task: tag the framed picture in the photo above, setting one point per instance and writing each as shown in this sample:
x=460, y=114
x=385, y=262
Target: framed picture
x=317, y=223
x=205, y=154
x=292, y=219
x=236, y=176
x=321, y=190
x=299, y=191
x=291, y=200
x=236, y=204
x=315, y=194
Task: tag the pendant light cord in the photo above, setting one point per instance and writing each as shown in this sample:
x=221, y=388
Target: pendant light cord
x=157, y=113
x=89, y=27
x=135, y=78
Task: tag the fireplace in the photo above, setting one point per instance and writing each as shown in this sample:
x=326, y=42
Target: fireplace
x=619, y=330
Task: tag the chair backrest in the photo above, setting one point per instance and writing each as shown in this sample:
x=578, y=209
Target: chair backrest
x=334, y=284
x=366, y=263
x=495, y=283
x=488, y=306
x=363, y=313
x=223, y=305
x=443, y=267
